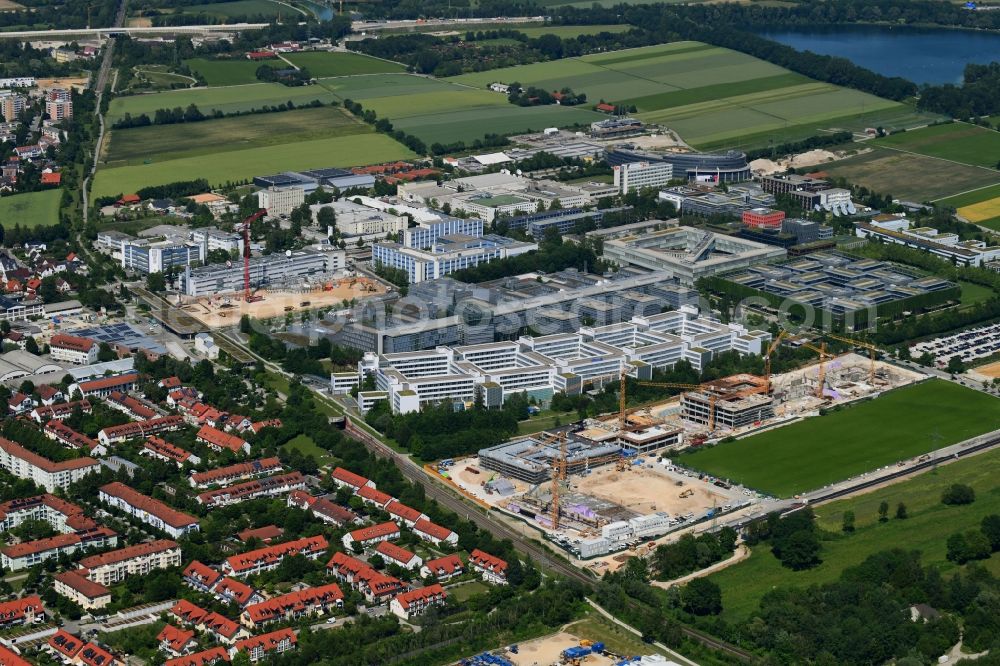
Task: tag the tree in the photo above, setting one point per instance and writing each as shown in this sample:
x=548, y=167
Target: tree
x=955, y=365
x=901, y=512
x=326, y=217
x=31, y=346
x=958, y=494
x=800, y=550
x=883, y=511
x=848, y=525
x=105, y=353
x=990, y=527
x=156, y=282
x=702, y=597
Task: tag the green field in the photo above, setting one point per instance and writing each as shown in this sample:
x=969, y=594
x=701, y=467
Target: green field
x=713, y=97
x=927, y=529
x=231, y=72
x=567, y=31
x=225, y=99
x=34, y=209
x=818, y=451
x=908, y=176
x=322, y=64
x=265, y=8
x=238, y=165
x=158, y=143
x=470, y=124
x=361, y=88
x=958, y=142
x=975, y=293
x=974, y=197
x=305, y=445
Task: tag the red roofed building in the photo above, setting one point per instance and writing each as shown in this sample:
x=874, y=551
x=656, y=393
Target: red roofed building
x=10, y=658
x=62, y=515
x=130, y=406
x=266, y=534
x=70, y=438
x=61, y=411
x=161, y=449
x=261, y=55
x=414, y=602
x=29, y=553
x=443, y=568
x=224, y=629
x=207, y=657
x=73, y=349
x=188, y=613
x=269, y=423
x=266, y=559
x=223, y=476
x=377, y=587
x=25, y=464
x=138, y=560
x=493, y=569
x=128, y=200
x=434, y=533
x=26, y=610
x=62, y=644
x=403, y=514
x=81, y=590
x=371, y=535
x=294, y=605
x=218, y=440
x=763, y=218
x=201, y=576
x=148, y=510
x=175, y=641
x=135, y=429
x=347, y=479
x=230, y=590
x=51, y=178
x=392, y=553
x=276, y=642
x=374, y=497
x=605, y=108
x=103, y=386
x=324, y=509
x=95, y=655
x=270, y=486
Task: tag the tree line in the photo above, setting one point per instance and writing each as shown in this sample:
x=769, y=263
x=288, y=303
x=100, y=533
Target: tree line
x=192, y=114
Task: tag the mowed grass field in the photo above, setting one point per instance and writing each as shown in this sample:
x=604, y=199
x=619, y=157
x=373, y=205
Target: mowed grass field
x=958, y=142
x=818, y=451
x=927, y=529
x=234, y=165
x=227, y=99
x=713, y=97
x=229, y=72
x=908, y=176
x=322, y=64
x=567, y=31
x=34, y=209
x=981, y=206
x=158, y=143
x=266, y=8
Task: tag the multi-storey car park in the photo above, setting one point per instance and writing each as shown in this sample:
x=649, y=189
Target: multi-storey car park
x=565, y=362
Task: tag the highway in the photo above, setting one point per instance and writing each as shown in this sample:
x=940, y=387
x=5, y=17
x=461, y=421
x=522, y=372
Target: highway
x=118, y=29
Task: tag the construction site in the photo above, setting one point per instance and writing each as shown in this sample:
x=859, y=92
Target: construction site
x=607, y=485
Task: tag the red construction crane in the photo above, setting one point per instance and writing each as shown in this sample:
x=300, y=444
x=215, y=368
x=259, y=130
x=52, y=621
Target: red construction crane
x=245, y=228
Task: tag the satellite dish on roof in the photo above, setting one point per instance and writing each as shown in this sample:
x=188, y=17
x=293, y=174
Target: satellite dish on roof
x=851, y=209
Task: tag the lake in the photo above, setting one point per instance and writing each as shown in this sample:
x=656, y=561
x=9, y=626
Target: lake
x=921, y=55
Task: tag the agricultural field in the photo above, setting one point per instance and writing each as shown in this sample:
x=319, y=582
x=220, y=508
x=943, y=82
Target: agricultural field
x=253, y=8
x=810, y=454
x=711, y=96
x=958, y=142
x=567, y=31
x=980, y=206
x=908, y=176
x=225, y=99
x=360, y=88
x=926, y=529
x=236, y=165
x=158, y=143
x=34, y=209
x=322, y=64
x=229, y=72
x=148, y=78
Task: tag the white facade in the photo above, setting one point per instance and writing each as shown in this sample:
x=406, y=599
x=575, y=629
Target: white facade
x=280, y=200
x=639, y=175
x=43, y=472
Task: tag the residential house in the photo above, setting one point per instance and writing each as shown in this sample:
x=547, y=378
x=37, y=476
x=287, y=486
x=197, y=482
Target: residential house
x=492, y=568
x=443, y=568
x=414, y=602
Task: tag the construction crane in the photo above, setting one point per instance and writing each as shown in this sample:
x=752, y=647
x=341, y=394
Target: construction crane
x=712, y=395
x=823, y=356
x=767, y=359
x=244, y=226
x=872, y=352
x=558, y=475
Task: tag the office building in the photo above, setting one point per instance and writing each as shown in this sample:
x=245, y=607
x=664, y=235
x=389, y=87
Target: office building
x=949, y=246
x=640, y=175
x=271, y=270
x=279, y=201
x=729, y=167
x=160, y=256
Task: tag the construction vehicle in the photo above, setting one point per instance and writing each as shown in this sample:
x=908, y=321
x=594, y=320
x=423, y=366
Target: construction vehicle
x=687, y=493
x=872, y=352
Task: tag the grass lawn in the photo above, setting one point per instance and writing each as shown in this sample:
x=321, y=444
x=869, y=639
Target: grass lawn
x=157, y=143
x=305, y=445
x=974, y=293
x=543, y=421
x=226, y=72
x=33, y=209
x=464, y=591
x=322, y=64
x=929, y=525
x=235, y=165
x=908, y=176
x=227, y=99
x=818, y=451
x=959, y=142
x=566, y=31
x=973, y=197
x=251, y=8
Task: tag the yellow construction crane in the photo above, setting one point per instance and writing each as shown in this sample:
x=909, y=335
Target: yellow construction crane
x=823, y=356
x=558, y=475
x=872, y=352
x=767, y=358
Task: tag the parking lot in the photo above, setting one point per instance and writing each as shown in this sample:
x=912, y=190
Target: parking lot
x=969, y=345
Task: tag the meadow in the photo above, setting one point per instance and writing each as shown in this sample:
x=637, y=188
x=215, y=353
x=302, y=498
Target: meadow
x=236, y=165
x=926, y=529
x=567, y=31
x=212, y=137
x=229, y=72
x=713, y=97
x=242, y=8
x=980, y=206
x=33, y=209
x=322, y=64
x=958, y=142
x=810, y=454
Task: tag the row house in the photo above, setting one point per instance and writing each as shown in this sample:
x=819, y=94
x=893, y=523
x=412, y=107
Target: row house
x=346, y=479
x=270, y=486
x=414, y=602
x=161, y=449
x=29, y=553
x=105, y=386
x=81, y=590
x=20, y=612
x=266, y=559
x=137, y=429
x=220, y=441
x=210, y=657
x=312, y=601
x=434, y=533
x=60, y=411
x=206, y=579
x=324, y=509
x=226, y=631
x=72, y=439
x=367, y=537
x=393, y=554
x=374, y=497
x=443, y=568
x=224, y=476
x=175, y=641
x=492, y=568
x=74, y=651
x=130, y=406
x=377, y=587
x=266, y=645
x=138, y=560
x=403, y=514
x=148, y=510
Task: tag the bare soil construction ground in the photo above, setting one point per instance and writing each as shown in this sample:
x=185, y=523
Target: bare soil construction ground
x=646, y=490
x=545, y=651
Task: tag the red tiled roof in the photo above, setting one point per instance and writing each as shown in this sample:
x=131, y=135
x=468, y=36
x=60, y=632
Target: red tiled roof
x=132, y=404
x=269, y=641
x=221, y=439
x=19, y=608
x=18, y=451
x=376, y=496
x=188, y=612
x=349, y=477
x=165, y=448
x=421, y=594
x=249, y=560
x=488, y=561
x=397, y=508
x=155, y=507
x=448, y=564
x=325, y=507
x=40, y=545
x=176, y=639
x=10, y=658
x=395, y=553
x=94, y=655
x=203, y=658
x=109, y=382
x=82, y=584
x=294, y=602
x=262, y=466
x=266, y=533
x=62, y=642
x=127, y=553
x=70, y=437
x=144, y=428
x=240, y=592
x=169, y=382
x=49, y=412
x=202, y=573
x=269, y=423
x=375, y=532
x=220, y=624
x=71, y=342
x=432, y=529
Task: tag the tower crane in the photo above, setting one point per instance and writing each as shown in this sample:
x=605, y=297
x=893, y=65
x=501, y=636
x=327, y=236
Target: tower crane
x=823, y=356
x=767, y=358
x=872, y=352
x=558, y=475
x=712, y=395
x=244, y=227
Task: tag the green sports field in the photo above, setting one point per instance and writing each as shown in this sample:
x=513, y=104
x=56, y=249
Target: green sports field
x=34, y=209
x=322, y=64
x=229, y=72
x=159, y=143
x=927, y=529
x=818, y=451
x=958, y=142
x=713, y=97
x=227, y=99
x=234, y=165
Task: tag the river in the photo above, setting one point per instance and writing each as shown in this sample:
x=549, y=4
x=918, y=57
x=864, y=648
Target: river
x=921, y=55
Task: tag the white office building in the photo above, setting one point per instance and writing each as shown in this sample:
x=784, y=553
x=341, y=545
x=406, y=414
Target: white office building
x=280, y=200
x=640, y=175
